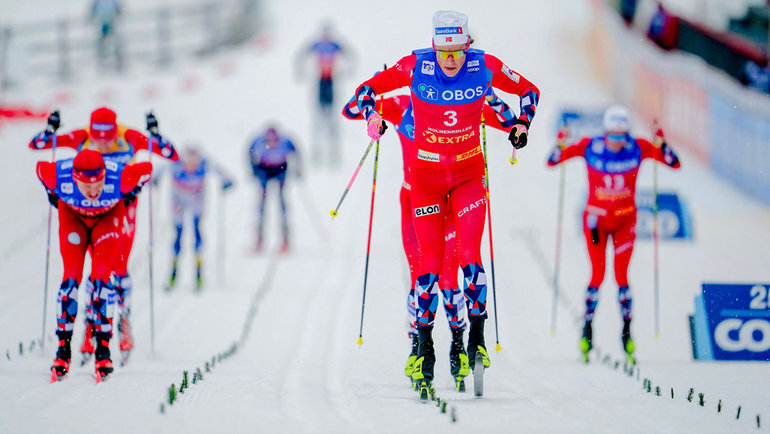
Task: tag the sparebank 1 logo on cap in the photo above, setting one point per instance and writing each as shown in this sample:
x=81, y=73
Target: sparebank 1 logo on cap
x=428, y=91
x=449, y=31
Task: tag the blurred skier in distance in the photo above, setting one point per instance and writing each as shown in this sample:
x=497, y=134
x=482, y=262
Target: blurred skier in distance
x=91, y=195
x=188, y=195
x=120, y=144
x=613, y=160
x=330, y=59
x=106, y=14
x=270, y=155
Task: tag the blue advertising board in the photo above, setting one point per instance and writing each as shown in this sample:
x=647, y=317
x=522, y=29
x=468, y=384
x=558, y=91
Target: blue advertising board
x=674, y=221
x=732, y=322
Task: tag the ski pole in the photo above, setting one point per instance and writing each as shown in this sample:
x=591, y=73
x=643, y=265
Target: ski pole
x=220, y=237
x=334, y=212
x=656, y=286
x=152, y=127
x=360, y=340
x=51, y=128
x=561, y=139
x=368, y=244
x=489, y=221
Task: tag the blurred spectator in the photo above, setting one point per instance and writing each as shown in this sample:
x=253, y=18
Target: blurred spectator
x=106, y=14
x=757, y=76
x=627, y=10
x=664, y=29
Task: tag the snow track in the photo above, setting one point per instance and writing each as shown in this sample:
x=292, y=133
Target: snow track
x=295, y=317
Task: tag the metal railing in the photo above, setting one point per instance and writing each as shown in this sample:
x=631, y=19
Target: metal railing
x=155, y=37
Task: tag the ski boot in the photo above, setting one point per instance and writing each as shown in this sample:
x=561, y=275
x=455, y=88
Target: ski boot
x=477, y=349
x=126, y=340
x=87, y=349
x=103, y=365
x=586, y=342
x=628, y=343
x=61, y=364
x=198, y=279
x=458, y=360
x=426, y=359
x=172, y=279
x=410, y=361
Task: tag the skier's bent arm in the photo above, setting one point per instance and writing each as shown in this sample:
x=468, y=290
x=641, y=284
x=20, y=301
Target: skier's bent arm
x=560, y=155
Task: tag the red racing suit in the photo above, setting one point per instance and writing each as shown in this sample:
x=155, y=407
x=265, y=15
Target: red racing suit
x=447, y=166
x=398, y=111
x=611, y=208
x=94, y=225
x=122, y=150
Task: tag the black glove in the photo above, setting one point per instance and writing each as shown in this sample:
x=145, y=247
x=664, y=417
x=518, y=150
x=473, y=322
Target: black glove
x=54, y=121
x=383, y=128
x=595, y=235
x=152, y=124
x=130, y=197
x=519, y=133
x=53, y=198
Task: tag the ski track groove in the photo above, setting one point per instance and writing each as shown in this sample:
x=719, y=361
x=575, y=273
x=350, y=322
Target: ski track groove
x=300, y=395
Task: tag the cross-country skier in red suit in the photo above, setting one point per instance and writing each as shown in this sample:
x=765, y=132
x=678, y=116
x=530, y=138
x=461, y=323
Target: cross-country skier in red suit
x=448, y=84
x=120, y=144
x=613, y=161
x=398, y=111
x=91, y=195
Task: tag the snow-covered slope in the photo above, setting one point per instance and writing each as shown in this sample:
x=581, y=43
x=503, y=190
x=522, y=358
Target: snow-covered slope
x=295, y=318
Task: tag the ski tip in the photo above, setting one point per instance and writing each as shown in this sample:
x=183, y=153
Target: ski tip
x=54, y=377
x=498, y=347
x=360, y=341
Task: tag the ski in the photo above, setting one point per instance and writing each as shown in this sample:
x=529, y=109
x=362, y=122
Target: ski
x=423, y=390
x=86, y=358
x=124, y=357
x=478, y=375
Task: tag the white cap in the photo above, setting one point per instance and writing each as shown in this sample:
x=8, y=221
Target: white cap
x=449, y=28
x=616, y=119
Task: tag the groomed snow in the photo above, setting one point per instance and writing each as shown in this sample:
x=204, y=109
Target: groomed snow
x=295, y=318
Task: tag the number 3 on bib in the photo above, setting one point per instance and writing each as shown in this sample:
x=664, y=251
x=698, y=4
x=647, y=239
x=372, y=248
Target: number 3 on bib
x=452, y=115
